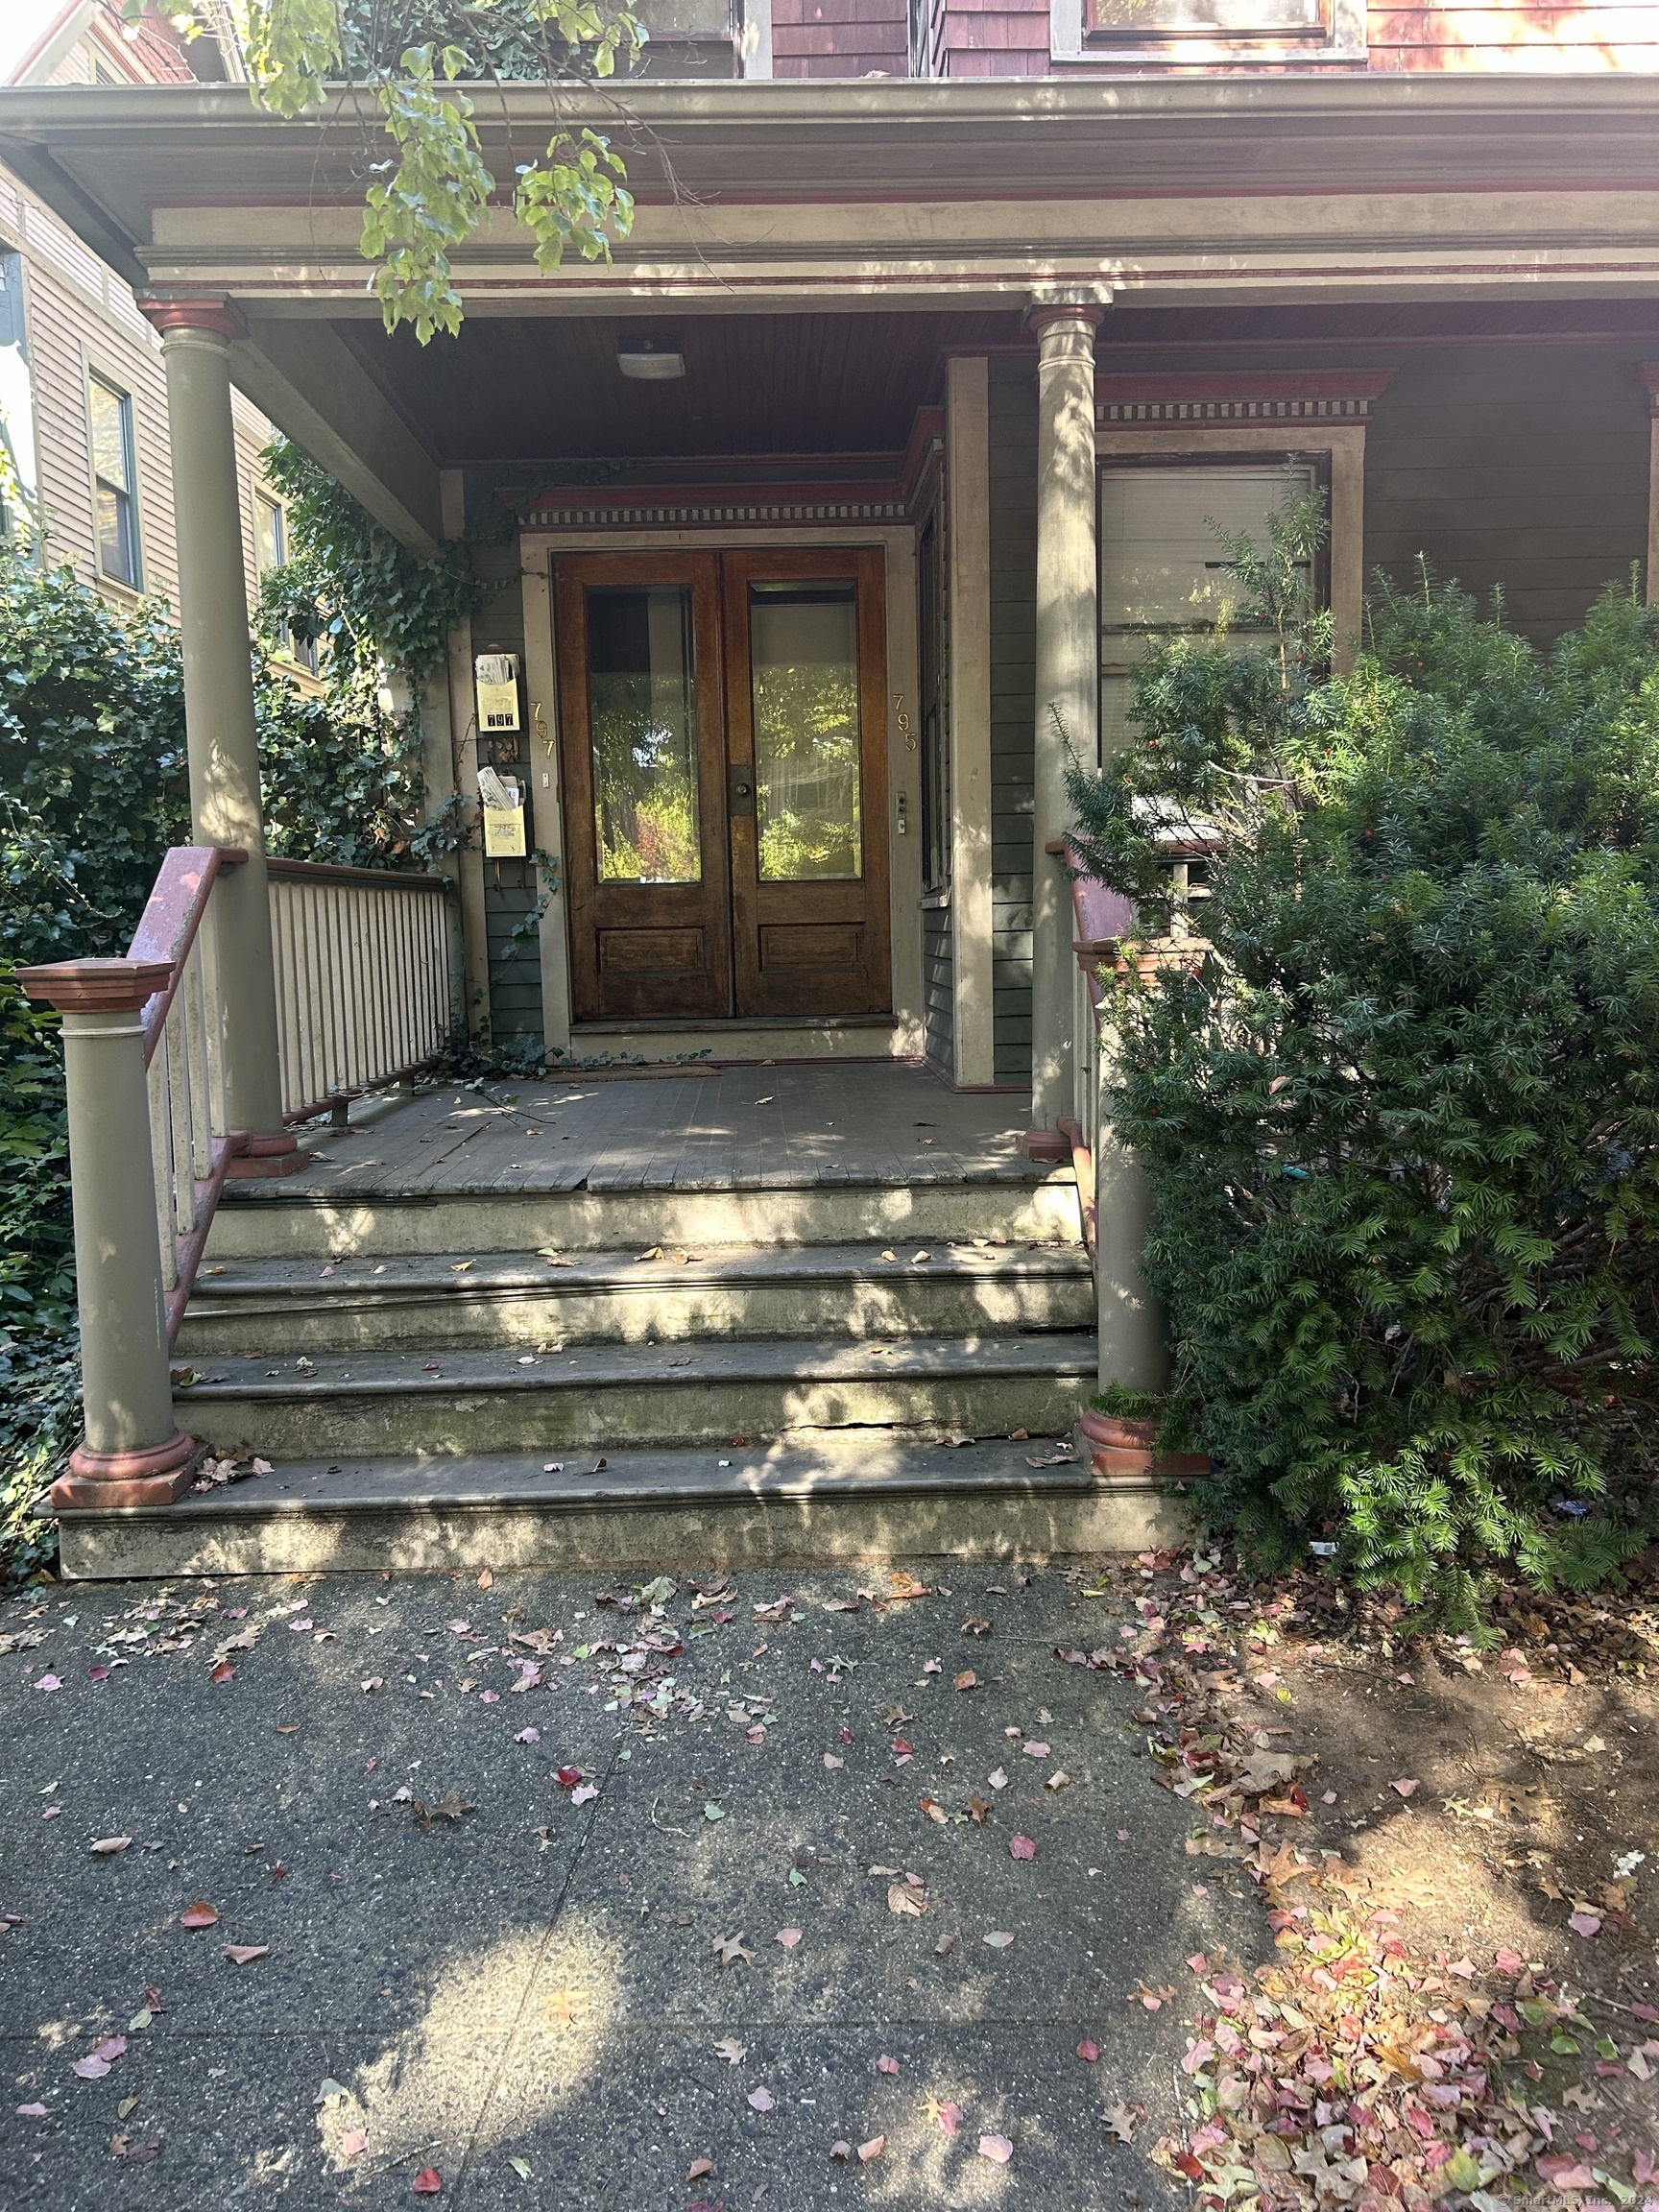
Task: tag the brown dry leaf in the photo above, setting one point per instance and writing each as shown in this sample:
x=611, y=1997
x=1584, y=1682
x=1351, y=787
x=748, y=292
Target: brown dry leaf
x=966, y=1680
x=933, y=1810
x=698, y=2168
x=908, y=1902
x=132, y=2153
x=978, y=1806
x=730, y=2049
x=448, y=1807
x=976, y=1625
x=244, y=1954
x=729, y=1949
x=201, y=1915
x=901, y=1583
x=872, y=2149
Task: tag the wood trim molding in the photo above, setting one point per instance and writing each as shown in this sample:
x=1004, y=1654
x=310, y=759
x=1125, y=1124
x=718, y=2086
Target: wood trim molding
x=713, y=513
x=1159, y=402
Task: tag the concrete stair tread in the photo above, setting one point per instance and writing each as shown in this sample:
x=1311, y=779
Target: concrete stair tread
x=459, y=1275
x=829, y=1463
x=596, y=1366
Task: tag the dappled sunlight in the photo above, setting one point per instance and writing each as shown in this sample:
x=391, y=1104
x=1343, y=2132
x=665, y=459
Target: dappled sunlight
x=552, y=1997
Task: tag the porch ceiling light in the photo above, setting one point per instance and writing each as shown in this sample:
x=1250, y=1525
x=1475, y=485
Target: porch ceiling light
x=652, y=360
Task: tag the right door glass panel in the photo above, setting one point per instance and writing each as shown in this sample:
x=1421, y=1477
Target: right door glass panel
x=642, y=716
x=804, y=672
x=1163, y=568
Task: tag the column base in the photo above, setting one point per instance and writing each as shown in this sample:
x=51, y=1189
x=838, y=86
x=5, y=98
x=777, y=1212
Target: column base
x=263, y=1157
x=1047, y=1147
x=155, y=1477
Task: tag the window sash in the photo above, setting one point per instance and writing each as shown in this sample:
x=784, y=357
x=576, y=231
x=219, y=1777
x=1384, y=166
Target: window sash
x=115, y=513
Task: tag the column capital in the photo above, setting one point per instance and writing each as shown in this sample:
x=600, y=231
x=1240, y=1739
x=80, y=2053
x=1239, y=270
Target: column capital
x=220, y=317
x=1074, y=304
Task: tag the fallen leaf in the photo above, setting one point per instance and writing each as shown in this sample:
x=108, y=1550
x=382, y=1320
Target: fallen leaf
x=428, y=2182
x=1022, y=1847
x=1405, y=1788
x=933, y=1810
x=133, y=2153
x=998, y=1939
x=1122, y=2121
x=788, y=1937
x=998, y=1778
x=907, y=1902
x=830, y=1761
x=1088, y=2051
x=698, y=2168
x=976, y=1625
x=223, y=1672
x=995, y=2147
x=729, y=1949
x=244, y=1954
x=730, y=2049
x=950, y=2118
x=31, y=2112
x=1058, y=1780
x=872, y=2149
x=1035, y=1751
x=353, y=2143
x=978, y=1806
x=886, y=2065
x=845, y=2149
x=107, y=1846
x=1585, y=1924
x=201, y=1915
x=761, y=2099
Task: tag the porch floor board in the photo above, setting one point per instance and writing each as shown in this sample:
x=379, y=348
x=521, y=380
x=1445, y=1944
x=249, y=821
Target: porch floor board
x=744, y=1128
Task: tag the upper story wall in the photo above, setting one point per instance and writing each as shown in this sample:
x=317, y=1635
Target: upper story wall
x=1020, y=38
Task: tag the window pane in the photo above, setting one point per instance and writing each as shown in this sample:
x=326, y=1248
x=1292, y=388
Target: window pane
x=1222, y=18
x=269, y=548
x=803, y=659
x=110, y=459
x=115, y=548
x=642, y=716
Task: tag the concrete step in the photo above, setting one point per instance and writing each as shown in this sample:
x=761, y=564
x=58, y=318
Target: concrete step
x=813, y=1497
x=283, y=1307
x=468, y=1402
x=297, y=1219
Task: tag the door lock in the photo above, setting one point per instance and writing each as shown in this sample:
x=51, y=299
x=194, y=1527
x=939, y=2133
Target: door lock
x=740, y=789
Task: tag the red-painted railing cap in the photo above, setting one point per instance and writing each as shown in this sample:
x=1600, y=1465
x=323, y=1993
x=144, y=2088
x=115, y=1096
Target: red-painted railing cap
x=96, y=986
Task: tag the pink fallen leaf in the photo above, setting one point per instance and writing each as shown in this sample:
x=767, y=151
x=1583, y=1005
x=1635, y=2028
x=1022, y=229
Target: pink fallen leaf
x=353, y=2143
x=997, y=2148
x=1585, y=1924
x=761, y=2099
x=886, y=2065
x=788, y=1937
x=1405, y=1788
x=1032, y=1752
x=1508, y=1963
x=1565, y=2172
x=840, y=2150
x=698, y=2168
x=872, y=2149
x=99, y=1673
x=107, y=1846
x=201, y=1915
x=244, y=1954
x=489, y=1696
x=950, y=2118
x=1198, y=1962
x=1022, y=1847
x=31, y=2112
x=567, y=1777
x=528, y=1736
x=830, y=1761
x=48, y=1682
x=1088, y=2050
x=584, y=1795
x=92, y=2069
x=223, y=1672
x=428, y=2182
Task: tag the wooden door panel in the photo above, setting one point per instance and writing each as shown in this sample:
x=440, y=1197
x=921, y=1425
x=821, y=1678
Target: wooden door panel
x=810, y=894
x=646, y=860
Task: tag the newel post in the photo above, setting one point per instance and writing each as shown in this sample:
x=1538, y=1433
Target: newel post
x=219, y=718
x=133, y=1451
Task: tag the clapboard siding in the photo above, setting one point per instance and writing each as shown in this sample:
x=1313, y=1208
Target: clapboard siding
x=1516, y=469
x=1012, y=459
x=510, y=891
x=839, y=39
x=938, y=989
x=1010, y=38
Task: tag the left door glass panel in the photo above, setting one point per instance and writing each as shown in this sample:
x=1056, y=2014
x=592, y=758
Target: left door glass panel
x=642, y=716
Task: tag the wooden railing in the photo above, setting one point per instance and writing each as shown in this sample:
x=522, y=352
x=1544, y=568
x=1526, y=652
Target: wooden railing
x=191, y=1144
x=364, y=979
x=1101, y=918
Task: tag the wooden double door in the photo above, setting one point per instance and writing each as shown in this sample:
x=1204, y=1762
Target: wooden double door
x=723, y=736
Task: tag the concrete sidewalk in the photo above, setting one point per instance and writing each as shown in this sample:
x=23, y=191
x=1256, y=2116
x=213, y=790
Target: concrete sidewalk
x=530, y=1997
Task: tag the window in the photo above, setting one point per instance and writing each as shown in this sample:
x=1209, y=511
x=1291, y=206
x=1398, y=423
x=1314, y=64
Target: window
x=1203, y=18
x=17, y=485
x=271, y=553
x=1208, y=34
x=114, y=483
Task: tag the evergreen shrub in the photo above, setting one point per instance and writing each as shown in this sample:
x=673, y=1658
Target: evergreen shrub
x=1401, y=1128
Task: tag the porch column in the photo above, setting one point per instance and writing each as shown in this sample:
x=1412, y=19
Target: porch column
x=219, y=725
x=1068, y=652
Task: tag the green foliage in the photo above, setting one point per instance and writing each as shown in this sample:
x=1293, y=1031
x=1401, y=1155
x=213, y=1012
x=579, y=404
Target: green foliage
x=1125, y=1405
x=439, y=190
x=354, y=588
x=1403, y=1129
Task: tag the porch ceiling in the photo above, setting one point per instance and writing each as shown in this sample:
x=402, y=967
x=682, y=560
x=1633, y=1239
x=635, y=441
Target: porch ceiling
x=525, y=389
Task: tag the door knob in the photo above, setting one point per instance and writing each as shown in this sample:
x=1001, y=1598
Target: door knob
x=740, y=790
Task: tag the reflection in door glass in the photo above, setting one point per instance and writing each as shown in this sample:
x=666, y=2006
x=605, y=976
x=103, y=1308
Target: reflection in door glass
x=803, y=662
x=642, y=714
